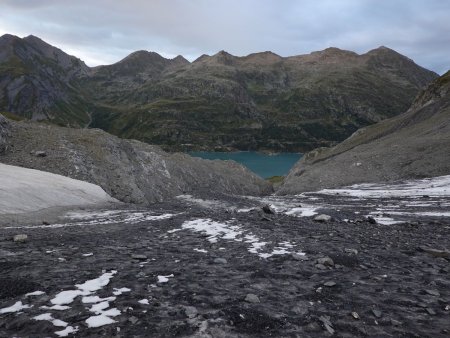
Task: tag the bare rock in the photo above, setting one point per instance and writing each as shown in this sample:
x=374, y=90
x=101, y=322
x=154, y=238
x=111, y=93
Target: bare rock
x=20, y=238
x=327, y=261
x=322, y=218
x=252, y=298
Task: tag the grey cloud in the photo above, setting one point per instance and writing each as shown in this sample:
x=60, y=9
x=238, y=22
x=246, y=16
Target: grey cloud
x=104, y=31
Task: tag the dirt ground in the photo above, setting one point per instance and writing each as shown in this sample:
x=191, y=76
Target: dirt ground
x=346, y=277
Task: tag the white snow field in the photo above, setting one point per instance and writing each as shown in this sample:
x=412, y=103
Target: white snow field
x=26, y=190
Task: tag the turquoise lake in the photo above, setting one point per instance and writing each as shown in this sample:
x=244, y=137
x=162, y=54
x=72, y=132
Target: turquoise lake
x=262, y=164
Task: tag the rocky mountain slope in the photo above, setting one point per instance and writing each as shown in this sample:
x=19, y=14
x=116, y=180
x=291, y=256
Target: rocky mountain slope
x=261, y=101
x=129, y=170
x=412, y=145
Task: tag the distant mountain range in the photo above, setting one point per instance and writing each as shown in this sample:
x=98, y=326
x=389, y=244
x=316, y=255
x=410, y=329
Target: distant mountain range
x=258, y=102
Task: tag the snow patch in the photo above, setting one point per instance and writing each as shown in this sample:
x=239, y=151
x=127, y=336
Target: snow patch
x=35, y=293
x=164, y=279
x=16, y=307
x=48, y=317
x=68, y=330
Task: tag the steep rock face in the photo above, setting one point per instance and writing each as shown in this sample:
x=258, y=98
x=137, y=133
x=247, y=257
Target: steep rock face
x=4, y=132
x=258, y=102
x=40, y=82
x=412, y=145
x=128, y=170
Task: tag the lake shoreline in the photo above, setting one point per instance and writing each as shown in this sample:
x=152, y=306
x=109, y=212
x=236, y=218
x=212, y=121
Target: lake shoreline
x=266, y=165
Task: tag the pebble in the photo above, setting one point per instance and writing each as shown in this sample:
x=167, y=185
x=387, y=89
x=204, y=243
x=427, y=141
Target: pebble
x=190, y=311
x=352, y=251
x=321, y=267
x=322, y=218
x=220, y=261
x=355, y=315
x=435, y=252
x=20, y=238
x=252, y=298
x=430, y=311
x=433, y=292
x=327, y=261
x=298, y=257
x=133, y=320
x=329, y=284
x=268, y=210
x=377, y=313
x=139, y=257
x=40, y=154
x=327, y=324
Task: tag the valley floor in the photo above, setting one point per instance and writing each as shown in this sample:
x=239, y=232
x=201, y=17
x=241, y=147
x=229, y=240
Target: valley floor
x=224, y=268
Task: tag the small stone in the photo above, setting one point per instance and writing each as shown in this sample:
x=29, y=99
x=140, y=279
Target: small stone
x=133, y=320
x=268, y=210
x=20, y=238
x=430, y=311
x=190, y=311
x=435, y=252
x=327, y=324
x=298, y=257
x=322, y=218
x=447, y=308
x=433, y=292
x=139, y=257
x=252, y=298
x=377, y=313
x=327, y=261
x=312, y=327
x=45, y=223
x=40, y=154
x=220, y=261
x=371, y=220
x=329, y=284
x=321, y=267
x=396, y=322
x=352, y=251
x=355, y=315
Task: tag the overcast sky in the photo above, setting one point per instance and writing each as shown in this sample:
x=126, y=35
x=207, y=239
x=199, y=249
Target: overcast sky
x=105, y=31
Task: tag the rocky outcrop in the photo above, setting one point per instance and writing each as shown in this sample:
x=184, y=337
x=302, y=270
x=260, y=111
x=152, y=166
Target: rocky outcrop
x=412, y=145
x=128, y=170
x=4, y=132
x=258, y=102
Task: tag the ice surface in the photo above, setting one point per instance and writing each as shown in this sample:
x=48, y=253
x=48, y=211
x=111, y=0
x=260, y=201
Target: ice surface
x=25, y=190
x=436, y=186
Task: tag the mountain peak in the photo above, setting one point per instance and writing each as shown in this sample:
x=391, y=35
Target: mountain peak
x=180, y=59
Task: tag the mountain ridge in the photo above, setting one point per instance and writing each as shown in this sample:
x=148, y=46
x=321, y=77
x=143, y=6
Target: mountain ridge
x=261, y=101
